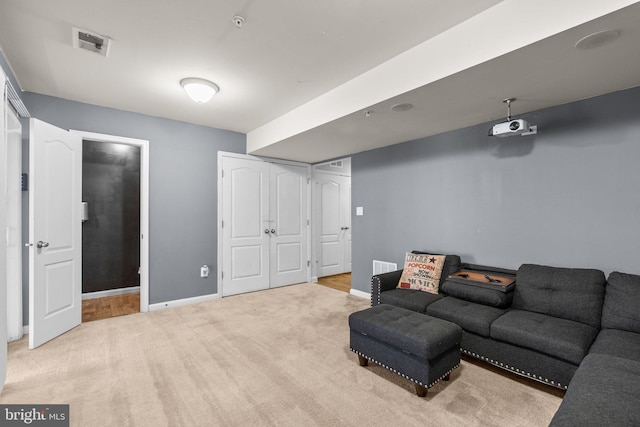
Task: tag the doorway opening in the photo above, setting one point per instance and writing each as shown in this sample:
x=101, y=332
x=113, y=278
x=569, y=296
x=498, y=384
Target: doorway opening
x=332, y=223
x=115, y=273
x=110, y=229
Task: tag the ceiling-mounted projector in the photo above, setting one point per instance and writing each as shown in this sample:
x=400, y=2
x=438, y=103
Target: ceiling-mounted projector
x=512, y=127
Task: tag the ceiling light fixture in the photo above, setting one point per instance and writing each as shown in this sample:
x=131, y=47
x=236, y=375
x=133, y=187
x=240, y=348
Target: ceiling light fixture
x=399, y=108
x=200, y=90
x=597, y=39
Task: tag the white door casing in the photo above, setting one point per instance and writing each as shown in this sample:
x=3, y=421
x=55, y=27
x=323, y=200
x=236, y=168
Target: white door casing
x=264, y=224
x=143, y=144
x=55, y=252
x=245, y=226
x=14, y=227
x=3, y=222
x=289, y=224
x=333, y=201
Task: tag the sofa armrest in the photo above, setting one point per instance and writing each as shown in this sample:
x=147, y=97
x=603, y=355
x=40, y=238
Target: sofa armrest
x=383, y=282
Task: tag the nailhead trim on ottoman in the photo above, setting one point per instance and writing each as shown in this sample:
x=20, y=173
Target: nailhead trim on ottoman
x=415, y=346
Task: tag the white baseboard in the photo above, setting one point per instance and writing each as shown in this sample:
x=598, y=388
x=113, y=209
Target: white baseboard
x=111, y=293
x=25, y=331
x=314, y=279
x=184, y=301
x=360, y=294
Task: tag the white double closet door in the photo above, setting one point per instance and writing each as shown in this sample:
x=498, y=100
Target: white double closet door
x=265, y=224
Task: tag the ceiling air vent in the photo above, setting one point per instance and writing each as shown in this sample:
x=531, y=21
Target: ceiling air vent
x=94, y=42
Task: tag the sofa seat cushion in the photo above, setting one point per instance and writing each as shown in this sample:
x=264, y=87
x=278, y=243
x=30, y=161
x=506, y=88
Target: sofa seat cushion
x=569, y=293
x=613, y=342
x=494, y=298
x=472, y=317
x=423, y=336
x=561, y=338
x=605, y=391
x=621, y=302
x=410, y=299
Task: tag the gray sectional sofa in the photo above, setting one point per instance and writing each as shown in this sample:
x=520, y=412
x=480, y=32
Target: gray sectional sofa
x=570, y=328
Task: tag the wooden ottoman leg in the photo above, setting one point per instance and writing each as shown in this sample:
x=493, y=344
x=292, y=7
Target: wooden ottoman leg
x=421, y=391
x=362, y=360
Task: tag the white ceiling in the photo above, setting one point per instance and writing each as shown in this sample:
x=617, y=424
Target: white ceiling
x=298, y=76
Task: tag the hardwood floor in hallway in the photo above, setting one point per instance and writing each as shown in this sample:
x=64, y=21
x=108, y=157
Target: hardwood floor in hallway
x=340, y=282
x=105, y=307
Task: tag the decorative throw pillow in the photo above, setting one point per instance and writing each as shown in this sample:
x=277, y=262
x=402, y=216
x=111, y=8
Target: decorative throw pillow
x=422, y=272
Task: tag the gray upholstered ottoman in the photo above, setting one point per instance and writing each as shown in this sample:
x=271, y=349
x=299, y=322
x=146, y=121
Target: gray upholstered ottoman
x=418, y=347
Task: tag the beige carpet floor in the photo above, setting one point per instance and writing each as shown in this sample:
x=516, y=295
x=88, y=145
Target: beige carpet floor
x=279, y=357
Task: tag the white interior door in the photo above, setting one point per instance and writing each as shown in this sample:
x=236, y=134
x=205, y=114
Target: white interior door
x=289, y=225
x=245, y=225
x=55, y=253
x=346, y=220
x=334, y=224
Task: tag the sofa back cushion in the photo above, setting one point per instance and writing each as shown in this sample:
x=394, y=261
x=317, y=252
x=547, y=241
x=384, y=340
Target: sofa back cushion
x=621, y=308
x=452, y=263
x=568, y=293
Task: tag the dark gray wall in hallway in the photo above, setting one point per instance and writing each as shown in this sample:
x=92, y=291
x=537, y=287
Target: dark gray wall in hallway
x=568, y=196
x=183, y=188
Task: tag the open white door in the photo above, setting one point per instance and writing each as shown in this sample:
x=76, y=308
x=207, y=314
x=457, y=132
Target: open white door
x=334, y=225
x=55, y=253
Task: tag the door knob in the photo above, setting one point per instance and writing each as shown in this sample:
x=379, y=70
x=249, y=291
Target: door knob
x=273, y=231
x=266, y=231
x=42, y=244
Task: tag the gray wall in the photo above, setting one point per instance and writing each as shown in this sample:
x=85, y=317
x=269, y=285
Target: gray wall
x=182, y=182
x=568, y=196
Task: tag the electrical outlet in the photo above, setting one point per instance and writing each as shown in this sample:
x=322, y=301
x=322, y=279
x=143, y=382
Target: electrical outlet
x=204, y=271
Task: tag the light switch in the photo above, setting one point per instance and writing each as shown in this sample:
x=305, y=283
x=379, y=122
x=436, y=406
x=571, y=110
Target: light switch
x=359, y=211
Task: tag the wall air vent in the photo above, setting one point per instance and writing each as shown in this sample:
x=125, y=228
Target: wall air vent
x=380, y=267
x=336, y=164
x=93, y=42
x=15, y=101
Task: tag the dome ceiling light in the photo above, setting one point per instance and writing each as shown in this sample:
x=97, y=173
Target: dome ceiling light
x=199, y=90
x=597, y=39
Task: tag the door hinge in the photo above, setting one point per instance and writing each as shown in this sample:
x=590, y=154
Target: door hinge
x=222, y=274
x=308, y=263
x=222, y=173
x=222, y=225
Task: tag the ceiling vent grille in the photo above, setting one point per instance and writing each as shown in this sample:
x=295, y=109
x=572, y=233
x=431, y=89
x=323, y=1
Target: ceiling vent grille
x=336, y=164
x=93, y=42
x=15, y=101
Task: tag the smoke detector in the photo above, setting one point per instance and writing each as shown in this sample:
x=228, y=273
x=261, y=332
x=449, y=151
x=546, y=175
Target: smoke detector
x=91, y=41
x=239, y=21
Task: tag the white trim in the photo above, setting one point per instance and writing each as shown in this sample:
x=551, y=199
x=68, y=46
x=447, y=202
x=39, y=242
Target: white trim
x=111, y=293
x=314, y=279
x=144, y=204
x=360, y=294
x=181, y=302
x=13, y=136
